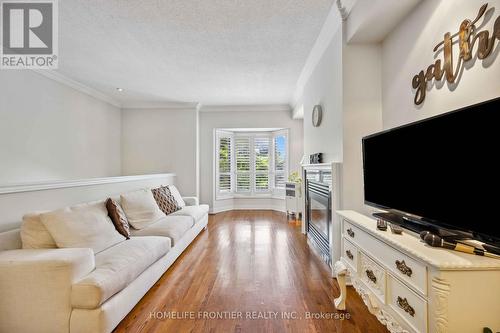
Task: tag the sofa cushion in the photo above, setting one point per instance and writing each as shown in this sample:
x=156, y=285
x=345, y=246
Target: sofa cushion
x=178, y=197
x=86, y=225
x=195, y=212
x=118, y=217
x=170, y=226
x=117, y=267
x=34, y=235
x=165, y=200
x=191, y=201
x=141, y=208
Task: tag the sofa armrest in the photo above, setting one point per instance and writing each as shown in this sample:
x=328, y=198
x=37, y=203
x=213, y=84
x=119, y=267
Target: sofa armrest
x=191, y=201
x=37, y=284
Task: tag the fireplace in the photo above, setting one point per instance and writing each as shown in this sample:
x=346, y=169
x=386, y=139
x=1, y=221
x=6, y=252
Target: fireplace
x=318, y=217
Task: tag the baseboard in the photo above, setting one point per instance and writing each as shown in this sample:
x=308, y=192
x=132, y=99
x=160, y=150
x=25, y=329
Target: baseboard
x=248, y=204
x=222, y=210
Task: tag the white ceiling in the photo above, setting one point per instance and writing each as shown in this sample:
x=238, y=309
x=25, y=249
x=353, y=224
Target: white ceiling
x=208, y=51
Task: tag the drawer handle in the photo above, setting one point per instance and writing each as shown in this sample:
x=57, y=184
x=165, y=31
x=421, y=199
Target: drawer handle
x=349, y=254
x=371, y=276
x=350, y=232
x=403, y=304
x=403, y=268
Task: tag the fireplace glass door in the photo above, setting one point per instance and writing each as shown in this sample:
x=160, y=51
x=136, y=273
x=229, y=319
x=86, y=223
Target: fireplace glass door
x=319, y=208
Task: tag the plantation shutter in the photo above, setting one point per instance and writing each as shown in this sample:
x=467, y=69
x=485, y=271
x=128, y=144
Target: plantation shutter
x=250, y=163
x=224, y=164
x=261, y=163
x=243, y=164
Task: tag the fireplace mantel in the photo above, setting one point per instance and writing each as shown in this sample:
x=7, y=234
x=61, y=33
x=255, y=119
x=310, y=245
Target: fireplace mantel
x=318, y=166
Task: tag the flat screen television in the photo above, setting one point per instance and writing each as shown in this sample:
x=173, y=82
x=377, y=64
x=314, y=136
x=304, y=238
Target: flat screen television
x=443, y=170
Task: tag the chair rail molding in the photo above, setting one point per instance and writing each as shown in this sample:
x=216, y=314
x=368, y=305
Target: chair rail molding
x=49, y=185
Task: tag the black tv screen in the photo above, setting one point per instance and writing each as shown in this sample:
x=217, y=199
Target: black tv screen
x=443, y=169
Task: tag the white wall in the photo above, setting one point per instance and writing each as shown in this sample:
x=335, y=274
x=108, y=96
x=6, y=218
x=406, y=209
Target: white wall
x=324, y=87
x=243, y=119
x=362, y=115
x=377, y=91
x=161, y=140
x=59, y=133
x=20, y=200
x=409, y=49
x=347, y=83
x=49, y=131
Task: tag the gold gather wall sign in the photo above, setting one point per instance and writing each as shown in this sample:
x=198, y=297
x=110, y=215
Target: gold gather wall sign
x=469, y=40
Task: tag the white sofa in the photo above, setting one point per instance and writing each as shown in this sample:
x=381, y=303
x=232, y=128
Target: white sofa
x=72, y=290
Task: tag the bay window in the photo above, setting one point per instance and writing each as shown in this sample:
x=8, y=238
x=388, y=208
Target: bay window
x=251, y=163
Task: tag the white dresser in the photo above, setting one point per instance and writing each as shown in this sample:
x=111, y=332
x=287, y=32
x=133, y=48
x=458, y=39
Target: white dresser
x=412, y=287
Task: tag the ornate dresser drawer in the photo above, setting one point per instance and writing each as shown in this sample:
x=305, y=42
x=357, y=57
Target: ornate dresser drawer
x=350, y=231
x=412, y=287
x=351, y=255
x=373, y=275
x=411, y=307
x=406, y=268
x=403, y=266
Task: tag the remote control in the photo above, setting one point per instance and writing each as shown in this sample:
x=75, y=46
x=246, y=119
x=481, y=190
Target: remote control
x=381, y=225
x=396, y=229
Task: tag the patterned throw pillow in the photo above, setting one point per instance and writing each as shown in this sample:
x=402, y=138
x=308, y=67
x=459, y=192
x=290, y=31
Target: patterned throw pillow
x=118, y=217
x=165, y=200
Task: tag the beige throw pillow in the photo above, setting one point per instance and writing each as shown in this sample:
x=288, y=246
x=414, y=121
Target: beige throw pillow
x=86, y=226
x=141, y=208
x=34, y=235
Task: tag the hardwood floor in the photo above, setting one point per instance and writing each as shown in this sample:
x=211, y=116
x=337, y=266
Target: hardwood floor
x=248, y=263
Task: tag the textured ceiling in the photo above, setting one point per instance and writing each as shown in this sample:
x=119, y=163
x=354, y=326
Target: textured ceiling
x=208, y=51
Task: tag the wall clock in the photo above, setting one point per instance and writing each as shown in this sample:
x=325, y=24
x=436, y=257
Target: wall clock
x=317, y=115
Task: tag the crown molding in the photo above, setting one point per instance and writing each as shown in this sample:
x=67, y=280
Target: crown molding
x=344, y=14
x=63, y=79
x=331, y=26
x=298, y=112
x=245, y=108
x=161, y=105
